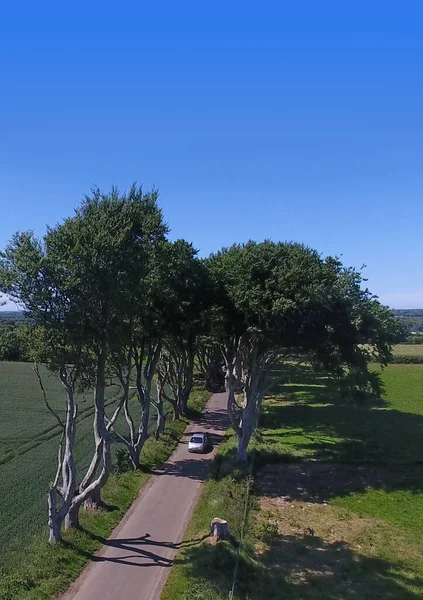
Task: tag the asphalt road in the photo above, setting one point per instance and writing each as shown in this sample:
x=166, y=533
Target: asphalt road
x=134, y=562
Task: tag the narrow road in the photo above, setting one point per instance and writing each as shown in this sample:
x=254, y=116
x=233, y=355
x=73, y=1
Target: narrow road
x=134, y=562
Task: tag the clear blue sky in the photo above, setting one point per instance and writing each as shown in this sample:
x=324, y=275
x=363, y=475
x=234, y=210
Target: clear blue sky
x=284, y=120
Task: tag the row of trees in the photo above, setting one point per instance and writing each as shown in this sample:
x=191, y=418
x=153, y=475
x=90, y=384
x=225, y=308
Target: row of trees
x=111, y=298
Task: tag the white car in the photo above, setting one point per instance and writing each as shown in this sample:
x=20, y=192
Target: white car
x=199, y=442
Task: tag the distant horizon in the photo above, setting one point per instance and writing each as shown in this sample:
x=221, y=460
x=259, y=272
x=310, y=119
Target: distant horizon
x=13, y=310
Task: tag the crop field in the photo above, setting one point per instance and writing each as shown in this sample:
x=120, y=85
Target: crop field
x=29, y=437
x=408, y=350
x=337, y=508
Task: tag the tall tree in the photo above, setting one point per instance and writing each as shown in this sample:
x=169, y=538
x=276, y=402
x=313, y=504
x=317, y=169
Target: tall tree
x=78, y=285
x=162, y=331
x=139, y=346
x=188, y=300
x=31, y=276
x=282, y=301
x=114, y=260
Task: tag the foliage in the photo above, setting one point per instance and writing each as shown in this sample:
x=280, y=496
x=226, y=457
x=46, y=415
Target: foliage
x=282, y=301
x=122, y=462
x=13, y=342
x=76, y=284
x=190, y=291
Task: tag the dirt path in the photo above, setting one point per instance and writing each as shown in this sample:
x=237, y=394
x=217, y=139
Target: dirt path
x=135, y=561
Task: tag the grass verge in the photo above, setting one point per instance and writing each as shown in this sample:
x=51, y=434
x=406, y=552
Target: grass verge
x=39, y=571
x=203, y=570
x=337, y=505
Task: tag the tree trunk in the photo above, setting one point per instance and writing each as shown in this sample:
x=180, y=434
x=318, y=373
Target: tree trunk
x=93, y=486
x=65, y=465
x=244, y=436
x=135, y=452
x=175, y=408
x=183, y=405
x=249, y=422
x=54, y=521
x=188, y=380
x=134, y=457
x=160, y=422
x=93, y=502
x=241, y=453
x=72, y=517
x=101, y=433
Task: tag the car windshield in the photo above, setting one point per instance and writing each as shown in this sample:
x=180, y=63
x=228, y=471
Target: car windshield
x=196, y=439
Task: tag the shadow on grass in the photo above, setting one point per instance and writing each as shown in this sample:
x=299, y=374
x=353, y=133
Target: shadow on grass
x=372, y=444
x=300, y=568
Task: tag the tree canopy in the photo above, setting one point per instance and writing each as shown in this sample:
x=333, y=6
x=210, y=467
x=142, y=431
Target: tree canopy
x=110, y=297
x=281, y=302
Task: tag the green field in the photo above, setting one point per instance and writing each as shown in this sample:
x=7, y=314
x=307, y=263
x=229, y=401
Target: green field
x=29, y=437
x=337, y=509
x=408, y=350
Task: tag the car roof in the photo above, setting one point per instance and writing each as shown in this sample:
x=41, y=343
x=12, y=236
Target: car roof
x=198, y=434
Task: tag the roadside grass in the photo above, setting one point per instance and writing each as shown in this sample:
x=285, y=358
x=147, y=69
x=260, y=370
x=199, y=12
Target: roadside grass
x=338, y=506
x=203, y=571
x=35, y=570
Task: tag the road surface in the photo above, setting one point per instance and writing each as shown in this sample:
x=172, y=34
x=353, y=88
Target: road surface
x=134, y=562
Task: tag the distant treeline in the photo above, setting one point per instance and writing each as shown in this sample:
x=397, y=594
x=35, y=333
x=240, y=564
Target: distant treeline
x=409, y=312
x=412, y=320
x=12, y=316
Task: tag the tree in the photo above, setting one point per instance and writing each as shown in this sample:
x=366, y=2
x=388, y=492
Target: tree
x=189, y=295
x=111, y=235
x=162, y=331
x=77, y=285
x=282, y=302
x=30, y=275
x=137, y=349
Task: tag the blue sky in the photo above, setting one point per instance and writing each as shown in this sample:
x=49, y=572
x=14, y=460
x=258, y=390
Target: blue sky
x=291, y=121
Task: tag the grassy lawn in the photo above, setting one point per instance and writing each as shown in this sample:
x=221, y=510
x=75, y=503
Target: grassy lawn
x=337, y=511
x=29, y=567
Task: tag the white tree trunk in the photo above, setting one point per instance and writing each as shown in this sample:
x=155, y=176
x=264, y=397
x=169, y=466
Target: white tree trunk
x=160, y=420
x=66, y=467
x=102, y=445
x=54, y=522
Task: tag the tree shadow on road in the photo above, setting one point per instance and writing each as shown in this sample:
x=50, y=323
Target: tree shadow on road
x=142, y=551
